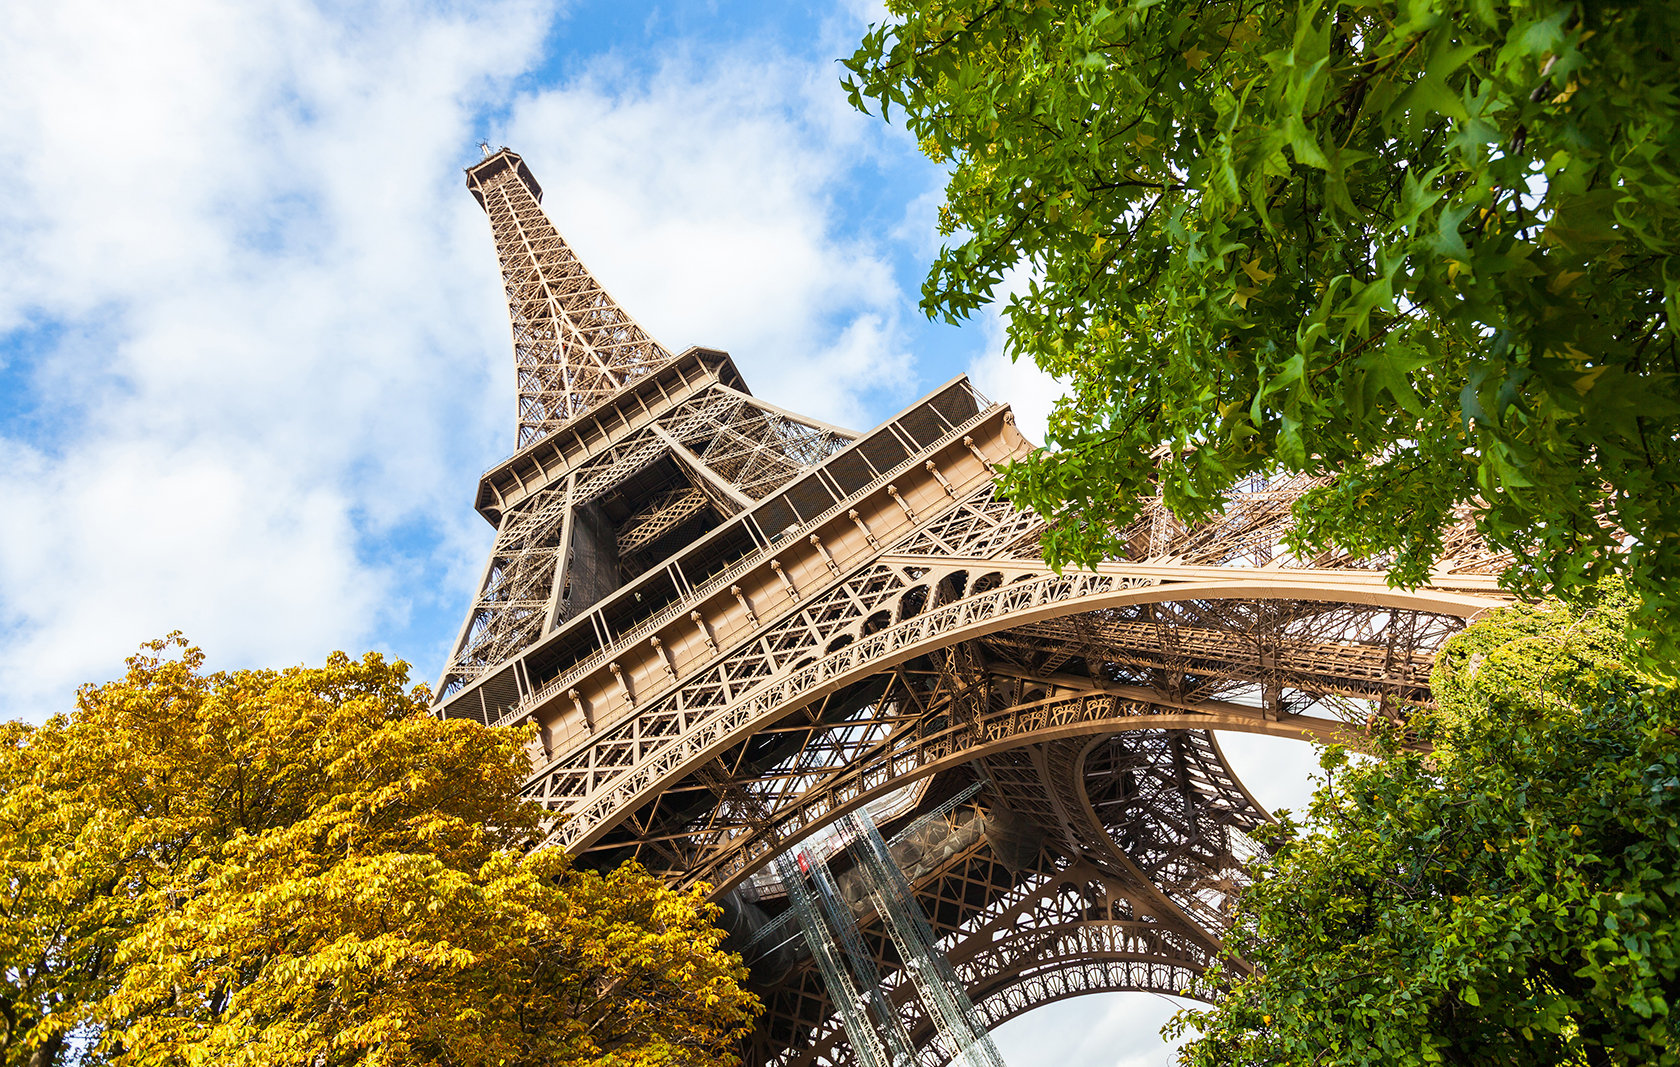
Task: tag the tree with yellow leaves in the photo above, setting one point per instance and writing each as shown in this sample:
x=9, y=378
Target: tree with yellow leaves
x=304, y=867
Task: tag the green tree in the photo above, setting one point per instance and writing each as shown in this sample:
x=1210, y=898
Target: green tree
x=1512, y=898
x=305, y=867
x=1431, y=247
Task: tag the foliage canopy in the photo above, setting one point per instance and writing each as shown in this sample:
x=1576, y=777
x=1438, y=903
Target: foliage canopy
x=305, y=867
x=1429, y=246
x=1511, y=899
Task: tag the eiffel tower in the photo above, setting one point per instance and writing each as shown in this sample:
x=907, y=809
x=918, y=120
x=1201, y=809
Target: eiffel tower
x=743, y=633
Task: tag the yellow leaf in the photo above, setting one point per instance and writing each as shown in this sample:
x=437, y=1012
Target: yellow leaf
x=1196, y=56
x=314, y=845
x=1563, y=280
x=1585, y=382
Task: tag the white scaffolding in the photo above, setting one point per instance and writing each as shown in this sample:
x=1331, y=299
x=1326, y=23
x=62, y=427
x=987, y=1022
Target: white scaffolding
x=829, y=925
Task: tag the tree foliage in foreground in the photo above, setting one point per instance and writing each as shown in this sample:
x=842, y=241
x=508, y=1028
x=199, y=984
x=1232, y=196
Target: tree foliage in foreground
x=304, y=867
x=1429, y=246
x=1511, y=899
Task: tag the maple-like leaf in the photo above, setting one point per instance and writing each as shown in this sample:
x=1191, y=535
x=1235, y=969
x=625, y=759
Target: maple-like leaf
x=306, y=867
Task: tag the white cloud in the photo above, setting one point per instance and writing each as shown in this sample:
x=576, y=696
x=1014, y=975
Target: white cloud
x=1279, y=772
x=275, y=352
x=1099, y=1030
x=240, y=228
x=700, y=197
x=1029, y=391
x=174, y=512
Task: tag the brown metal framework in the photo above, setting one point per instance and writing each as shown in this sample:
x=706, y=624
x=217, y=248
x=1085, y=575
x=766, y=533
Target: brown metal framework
x=733, y=624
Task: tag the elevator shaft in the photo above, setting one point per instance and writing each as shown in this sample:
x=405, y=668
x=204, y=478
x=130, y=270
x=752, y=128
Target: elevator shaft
x=829, y=925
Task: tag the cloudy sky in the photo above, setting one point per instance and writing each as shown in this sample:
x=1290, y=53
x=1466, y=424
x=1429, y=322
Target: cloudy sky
x=253, y=354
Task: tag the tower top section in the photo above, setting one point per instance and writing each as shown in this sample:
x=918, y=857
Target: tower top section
x=573, y=346
x=495, y=165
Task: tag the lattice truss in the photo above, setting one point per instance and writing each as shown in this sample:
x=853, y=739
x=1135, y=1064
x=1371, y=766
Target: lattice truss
x=760, y=450
x=1054, y=712
x=729, y=449
x=1286, y=657
x=1022, y=925
x=1249, y=532
x=573, y=345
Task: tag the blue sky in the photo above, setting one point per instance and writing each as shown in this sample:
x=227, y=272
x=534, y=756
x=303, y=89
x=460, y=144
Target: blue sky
x=253, y=354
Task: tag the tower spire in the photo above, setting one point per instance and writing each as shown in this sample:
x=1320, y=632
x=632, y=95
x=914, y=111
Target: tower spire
x=573, y=346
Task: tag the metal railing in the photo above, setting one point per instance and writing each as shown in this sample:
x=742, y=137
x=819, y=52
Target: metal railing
x=721, y=581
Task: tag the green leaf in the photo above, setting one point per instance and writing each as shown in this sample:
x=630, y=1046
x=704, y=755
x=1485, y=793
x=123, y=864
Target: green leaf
x=1498, y=182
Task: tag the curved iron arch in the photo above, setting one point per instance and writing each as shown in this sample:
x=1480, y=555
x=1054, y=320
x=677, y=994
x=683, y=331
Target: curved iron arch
x=1042, y=595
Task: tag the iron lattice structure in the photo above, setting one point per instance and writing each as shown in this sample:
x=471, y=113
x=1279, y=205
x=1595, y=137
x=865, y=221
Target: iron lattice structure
x=734, y=626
